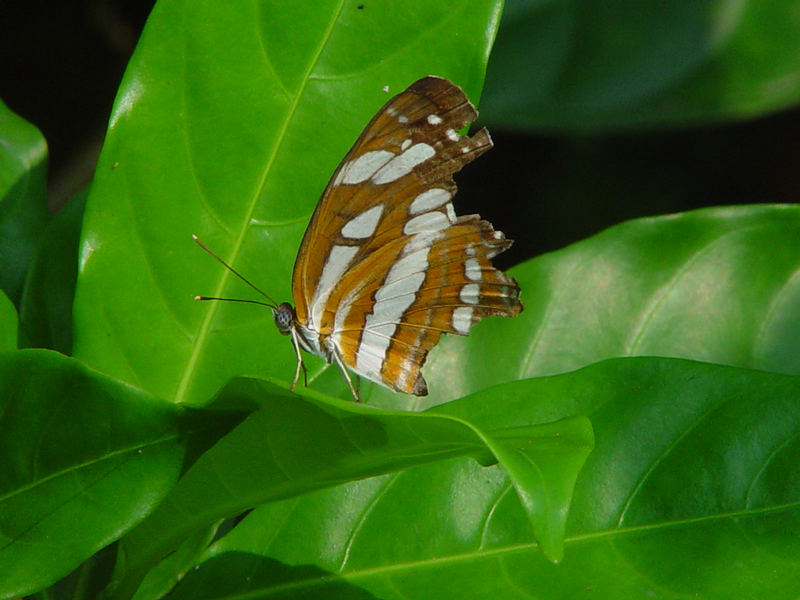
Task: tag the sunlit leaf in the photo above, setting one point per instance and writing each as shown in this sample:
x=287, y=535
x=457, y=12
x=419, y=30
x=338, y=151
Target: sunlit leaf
x=228, y=125
x=720, y=285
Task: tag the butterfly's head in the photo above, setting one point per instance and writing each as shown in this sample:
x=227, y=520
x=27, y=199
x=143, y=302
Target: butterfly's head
x=284, y=317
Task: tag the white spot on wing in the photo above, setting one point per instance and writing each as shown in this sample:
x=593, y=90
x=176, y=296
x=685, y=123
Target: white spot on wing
x=470, y=293
x=431, y=221
x=462, y=319
x=405, y=277
x=451, y=212
x=363, y=167
x=406, y=143
x=472, y=269
x=372, y=350
x=470, y=250
x=434, y=119
x=397, y=293
x=402, y=119
x=342, y=311
x=363, y=225
x=426, y=239
x=337, y=263
x=428, y=200
x=402, y=164
x=452, y=135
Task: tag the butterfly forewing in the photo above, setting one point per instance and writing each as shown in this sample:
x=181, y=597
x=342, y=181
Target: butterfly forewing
x=385, y=266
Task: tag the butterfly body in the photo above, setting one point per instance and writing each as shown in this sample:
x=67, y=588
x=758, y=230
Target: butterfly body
x=386, y=266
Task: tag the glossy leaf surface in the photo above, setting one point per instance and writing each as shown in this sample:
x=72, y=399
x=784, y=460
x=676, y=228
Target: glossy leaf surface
x=269, y=458
x=228, y=125
x=691, y=491
x=720, y=285
x=581, y=65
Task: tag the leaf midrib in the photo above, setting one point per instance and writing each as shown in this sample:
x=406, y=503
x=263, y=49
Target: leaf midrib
x=439, y=561
x=199, y=344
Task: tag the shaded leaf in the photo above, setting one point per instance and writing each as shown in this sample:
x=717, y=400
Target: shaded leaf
x=585, y=65
x=23, y=210
x=84, y=459
x=8, y=324
x=46, y=307
x=164, y=576
x=237, y=574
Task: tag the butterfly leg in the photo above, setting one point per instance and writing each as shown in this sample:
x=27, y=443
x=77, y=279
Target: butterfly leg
x=339, y=362
x=300, y=363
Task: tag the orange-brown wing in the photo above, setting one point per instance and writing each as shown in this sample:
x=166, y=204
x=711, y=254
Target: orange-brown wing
x=386, y=324
x=385, y=266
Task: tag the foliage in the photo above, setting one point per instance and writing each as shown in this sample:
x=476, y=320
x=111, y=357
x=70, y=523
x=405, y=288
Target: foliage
x=633, y=433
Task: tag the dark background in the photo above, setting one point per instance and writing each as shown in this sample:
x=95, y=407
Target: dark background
x=62, y=62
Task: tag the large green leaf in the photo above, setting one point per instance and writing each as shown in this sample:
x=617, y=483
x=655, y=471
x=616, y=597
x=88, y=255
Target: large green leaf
x=84, y=458
x=291, y=447
x=23, y=210
x=720, y=285
x=46, y=307
x=583, y=65
x=692, y=491
x=228, y=124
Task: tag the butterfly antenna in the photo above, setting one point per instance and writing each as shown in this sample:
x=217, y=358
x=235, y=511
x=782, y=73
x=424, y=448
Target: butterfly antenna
x=235, y=300
x=271, y=304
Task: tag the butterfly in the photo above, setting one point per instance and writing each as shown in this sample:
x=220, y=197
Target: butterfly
x=385, y=266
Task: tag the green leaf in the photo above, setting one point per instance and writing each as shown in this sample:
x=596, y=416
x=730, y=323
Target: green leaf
x=291, y=447
x=84, y=459
x=46, y=307
x=23, y=210
x=720, y=285
x=235, y=573
x=228, y=125
x=164, y=576
x=586, y=65
x=691, y=490
x=8, y=324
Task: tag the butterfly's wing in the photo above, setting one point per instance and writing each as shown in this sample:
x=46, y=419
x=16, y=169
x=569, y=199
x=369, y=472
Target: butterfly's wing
x=385, y=266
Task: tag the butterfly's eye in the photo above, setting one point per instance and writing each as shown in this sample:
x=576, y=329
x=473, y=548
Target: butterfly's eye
x=284, y=316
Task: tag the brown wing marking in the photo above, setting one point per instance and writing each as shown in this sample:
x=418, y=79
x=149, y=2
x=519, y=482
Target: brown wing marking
x=435, y=303
x=403, y=121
